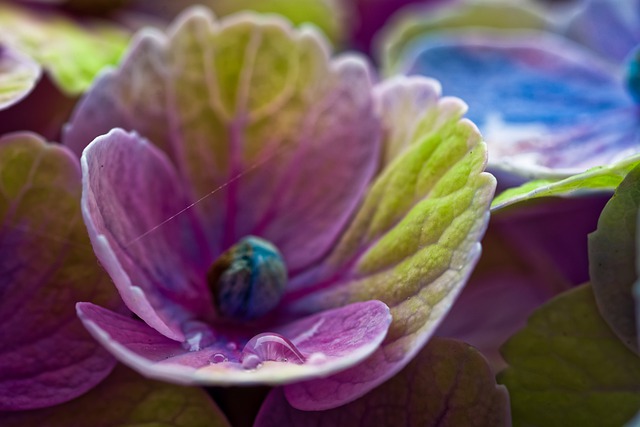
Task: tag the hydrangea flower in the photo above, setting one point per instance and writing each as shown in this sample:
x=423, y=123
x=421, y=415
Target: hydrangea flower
x=546, y=105
x=239, y=149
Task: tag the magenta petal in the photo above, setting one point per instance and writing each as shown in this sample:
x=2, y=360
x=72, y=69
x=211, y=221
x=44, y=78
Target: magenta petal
x=327, y=342
x=131, y=196
x=317, y=189
x=280, y=143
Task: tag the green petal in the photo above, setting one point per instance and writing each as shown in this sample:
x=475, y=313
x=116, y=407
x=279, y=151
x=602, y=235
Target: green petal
x=613, y=259
x=18, y=76
x=415, y=239
x=73, y=54
x=126, y=399
x=601, y=178
x=328, y=15
x=448, y=384
x=568, y=369
x=416, y=235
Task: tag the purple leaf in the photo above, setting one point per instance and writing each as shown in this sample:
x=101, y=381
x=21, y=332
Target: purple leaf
x=529, y=256
x=46, y=265
x=448, y=384
x=126, y=399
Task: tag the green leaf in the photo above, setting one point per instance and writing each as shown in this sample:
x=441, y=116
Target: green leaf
x=448, y=384
x=18, y=76
x=600, y=178
x=73, y=54
x=566, y=368
x=613, y=259
x=125, y=399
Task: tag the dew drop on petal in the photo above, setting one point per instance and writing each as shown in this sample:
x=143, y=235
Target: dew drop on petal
x=232, y=346
x=269, y=347
x=218, y=358
x=192, y=342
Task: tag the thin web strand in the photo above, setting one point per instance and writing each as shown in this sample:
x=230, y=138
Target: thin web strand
x=209, y=194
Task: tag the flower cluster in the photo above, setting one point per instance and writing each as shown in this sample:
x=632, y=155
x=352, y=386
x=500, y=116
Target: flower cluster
x=238, y=197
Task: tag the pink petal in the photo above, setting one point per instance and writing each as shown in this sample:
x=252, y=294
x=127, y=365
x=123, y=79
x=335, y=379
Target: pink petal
x=329, y=341
x=132, y=205
x=283, y=154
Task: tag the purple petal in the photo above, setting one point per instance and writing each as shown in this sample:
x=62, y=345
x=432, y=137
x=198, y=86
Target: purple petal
x=46, y=265
x=609, y=27
x=544, y=105
x=447, y=384
x=133, y=206
x=328, y=342
x=253, y=114
x=303, y=211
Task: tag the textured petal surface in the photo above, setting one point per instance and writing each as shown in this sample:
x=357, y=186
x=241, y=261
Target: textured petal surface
x=568, y=369
x=158, y=263
x=613, y=260
x=529, y=255
x=448, y=384
x=46, y=265
x=125, y=399
x=545, y=105
x=413, y=242
x=18, y=76
x=329, y=341
x=602, y=179
x=609, y=27
x=253, y=114
x=73, y=54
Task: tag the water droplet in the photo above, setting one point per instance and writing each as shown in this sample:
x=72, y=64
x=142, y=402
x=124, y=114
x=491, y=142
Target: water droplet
x=232, y=346
x=218, y=358
x=251, y=362
x=269, y=347
x=317, y=358
x=192, y=342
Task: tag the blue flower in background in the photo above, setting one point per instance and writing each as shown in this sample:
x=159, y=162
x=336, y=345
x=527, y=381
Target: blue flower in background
x=548, y=104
